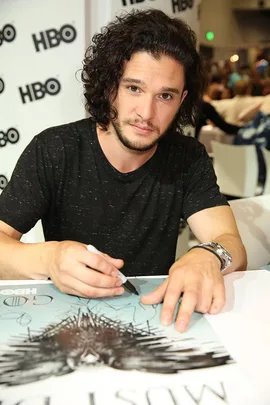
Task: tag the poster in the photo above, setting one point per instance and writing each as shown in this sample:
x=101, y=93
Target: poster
x=56, y=348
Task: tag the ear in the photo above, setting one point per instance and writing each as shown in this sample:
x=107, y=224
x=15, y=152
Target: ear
x=184, y=94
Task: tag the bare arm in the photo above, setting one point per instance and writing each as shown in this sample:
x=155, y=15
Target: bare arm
x=70, y=266
x=217, y=224
x=20, y=260
x=197, y=274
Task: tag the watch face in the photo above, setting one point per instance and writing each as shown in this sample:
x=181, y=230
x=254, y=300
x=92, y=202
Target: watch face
x=222, y=252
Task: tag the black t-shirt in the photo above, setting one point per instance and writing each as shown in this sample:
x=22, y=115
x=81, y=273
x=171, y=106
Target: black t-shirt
x=64, y=179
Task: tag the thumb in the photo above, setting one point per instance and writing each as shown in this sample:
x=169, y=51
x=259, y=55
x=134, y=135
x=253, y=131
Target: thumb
x=156, y=296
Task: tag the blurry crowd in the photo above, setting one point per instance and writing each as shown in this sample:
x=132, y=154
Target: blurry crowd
x=237, y=101
x=224, y=79
x=238, y=92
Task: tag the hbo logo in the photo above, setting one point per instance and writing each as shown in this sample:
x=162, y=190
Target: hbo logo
x=12, y=136
x=3, y=182
x=52, y=37
x=2, y=85
x=37, y=90
x=7, y=34
x=181, y=5
x=125, y=2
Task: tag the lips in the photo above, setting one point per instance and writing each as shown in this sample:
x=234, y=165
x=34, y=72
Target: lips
x=142, y=129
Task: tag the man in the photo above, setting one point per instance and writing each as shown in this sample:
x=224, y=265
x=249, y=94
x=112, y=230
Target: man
x=122, y=180
x=240, y=109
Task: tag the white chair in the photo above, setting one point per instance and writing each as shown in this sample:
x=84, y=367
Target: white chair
x=266, y=156
x=253, y=220
x=35, y=235
x=209, y=133
x=236, y=168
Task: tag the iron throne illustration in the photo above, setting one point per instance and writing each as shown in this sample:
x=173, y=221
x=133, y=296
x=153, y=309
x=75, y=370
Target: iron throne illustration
x=88, y=339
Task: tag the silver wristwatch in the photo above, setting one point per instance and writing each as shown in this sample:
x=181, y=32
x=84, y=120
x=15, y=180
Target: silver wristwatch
x=224, y=255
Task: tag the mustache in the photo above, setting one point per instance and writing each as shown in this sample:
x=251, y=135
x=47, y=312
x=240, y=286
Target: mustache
x=142, y=123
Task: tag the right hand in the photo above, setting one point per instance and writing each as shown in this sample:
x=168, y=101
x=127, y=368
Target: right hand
x=75, y=270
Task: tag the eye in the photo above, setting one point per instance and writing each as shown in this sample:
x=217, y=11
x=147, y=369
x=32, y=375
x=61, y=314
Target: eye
x=133, y=89
x=166, y=96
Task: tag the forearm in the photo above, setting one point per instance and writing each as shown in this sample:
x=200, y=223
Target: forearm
x=217, y=224
x=24, y=260
x=235, y=247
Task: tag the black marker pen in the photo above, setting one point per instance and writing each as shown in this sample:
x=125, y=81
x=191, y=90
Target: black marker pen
x=126, y=283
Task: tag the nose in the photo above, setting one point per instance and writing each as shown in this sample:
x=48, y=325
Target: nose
x=146, y=108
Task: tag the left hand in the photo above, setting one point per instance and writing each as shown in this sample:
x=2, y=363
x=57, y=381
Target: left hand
x=197, y=275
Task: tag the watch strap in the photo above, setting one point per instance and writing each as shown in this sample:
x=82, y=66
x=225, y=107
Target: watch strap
x=209, y=250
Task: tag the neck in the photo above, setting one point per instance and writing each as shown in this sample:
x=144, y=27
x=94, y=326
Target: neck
x=123, y=159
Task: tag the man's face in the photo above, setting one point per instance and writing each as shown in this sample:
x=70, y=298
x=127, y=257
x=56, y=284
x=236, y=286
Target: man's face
x=150, y=94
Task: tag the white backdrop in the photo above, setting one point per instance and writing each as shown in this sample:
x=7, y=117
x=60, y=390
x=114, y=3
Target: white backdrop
x=102, y=11
x=42, y=44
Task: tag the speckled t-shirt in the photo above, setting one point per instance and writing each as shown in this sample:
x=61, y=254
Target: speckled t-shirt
x=64, y=178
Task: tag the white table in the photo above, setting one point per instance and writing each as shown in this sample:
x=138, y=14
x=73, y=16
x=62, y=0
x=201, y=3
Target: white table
x=243, y=327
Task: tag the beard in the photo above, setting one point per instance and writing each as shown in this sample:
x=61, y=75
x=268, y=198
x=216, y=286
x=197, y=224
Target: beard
x=133, y=145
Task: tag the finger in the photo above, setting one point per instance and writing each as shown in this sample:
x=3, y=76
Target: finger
x=205, y=297
x=172, y=295
x=98, y=263
x=187, y=307
x=94, y=278
x=73, y=286
x=156, y=296
x=218, y=298
x=119, y=263
x=71, y=291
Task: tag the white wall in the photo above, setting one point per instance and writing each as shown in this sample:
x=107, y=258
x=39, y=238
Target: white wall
x=236, y=23
x=56, y=56
x=216, y=16
x=250, y=28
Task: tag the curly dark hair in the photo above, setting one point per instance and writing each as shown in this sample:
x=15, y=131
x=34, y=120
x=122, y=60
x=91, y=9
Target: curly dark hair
x=149, y=31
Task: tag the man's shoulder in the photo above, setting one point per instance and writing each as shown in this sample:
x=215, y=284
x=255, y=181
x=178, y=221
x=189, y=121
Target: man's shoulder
x=183, y=144
x=66, y=133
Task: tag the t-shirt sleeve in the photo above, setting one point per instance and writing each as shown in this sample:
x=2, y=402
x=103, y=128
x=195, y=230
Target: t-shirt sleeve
x=200, y=185
x=27, y=196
